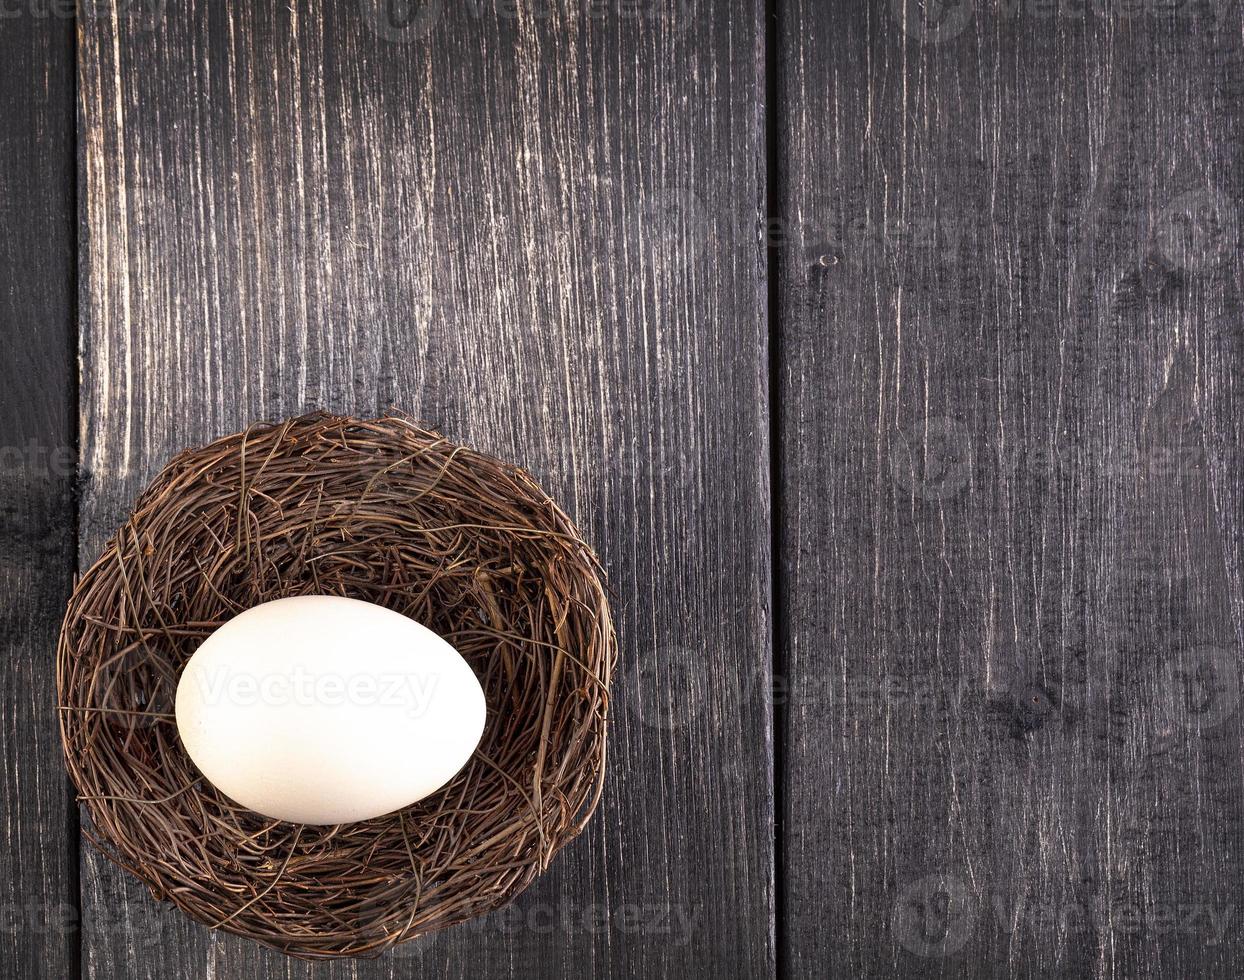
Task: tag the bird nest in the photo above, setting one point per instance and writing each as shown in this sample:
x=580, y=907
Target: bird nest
x=379, y=510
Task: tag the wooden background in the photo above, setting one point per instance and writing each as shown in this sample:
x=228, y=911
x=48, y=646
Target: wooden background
x=890, y=353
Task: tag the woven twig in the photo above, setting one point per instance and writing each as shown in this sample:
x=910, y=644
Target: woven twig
x=379, y=510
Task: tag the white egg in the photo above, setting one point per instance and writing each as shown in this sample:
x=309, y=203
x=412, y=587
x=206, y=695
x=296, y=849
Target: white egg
x=325, y=710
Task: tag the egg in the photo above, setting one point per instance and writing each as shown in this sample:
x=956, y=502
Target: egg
x=326, y=710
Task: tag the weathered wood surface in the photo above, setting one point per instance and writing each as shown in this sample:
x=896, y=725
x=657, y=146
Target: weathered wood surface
x=38, y=855
x=521, y=226
x=1010, y=414
x=1008, y=394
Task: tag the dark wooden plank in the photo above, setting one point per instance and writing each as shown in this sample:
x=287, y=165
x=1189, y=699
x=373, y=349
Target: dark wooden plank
x=38, y=857
x=505, y=222
x=1011, y=363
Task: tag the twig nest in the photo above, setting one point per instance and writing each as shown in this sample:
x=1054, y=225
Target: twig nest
x=379, y=510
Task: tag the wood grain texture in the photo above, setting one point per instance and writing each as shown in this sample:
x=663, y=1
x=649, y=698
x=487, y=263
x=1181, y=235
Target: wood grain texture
x=38, y=854
x=1011, y=362
x=504, y=220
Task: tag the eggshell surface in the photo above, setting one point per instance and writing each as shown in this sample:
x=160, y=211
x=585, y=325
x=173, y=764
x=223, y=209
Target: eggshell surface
x=327, y=710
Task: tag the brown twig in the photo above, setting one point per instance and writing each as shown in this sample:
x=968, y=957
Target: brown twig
x=380, y=510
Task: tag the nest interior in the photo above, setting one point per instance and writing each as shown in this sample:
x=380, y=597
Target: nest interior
x=380, y=510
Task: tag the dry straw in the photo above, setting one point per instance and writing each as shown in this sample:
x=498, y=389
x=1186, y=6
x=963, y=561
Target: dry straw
x=380, y=510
